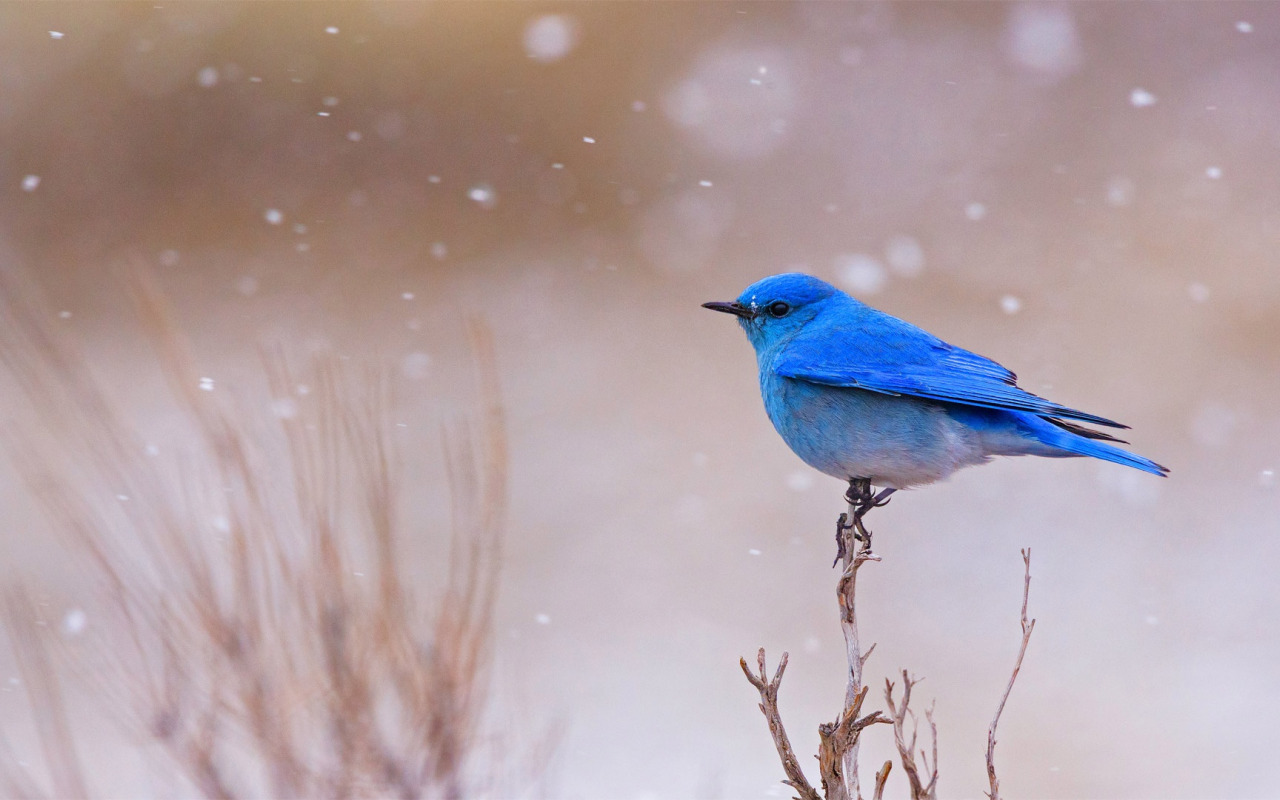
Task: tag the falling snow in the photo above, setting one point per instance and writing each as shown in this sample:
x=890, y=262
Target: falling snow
x=30, y=183
x=1120, y=192
x=206, y=384
x=800, y=481
x=284, y=408
x=273, y=216
x=1010, y=304
x=905, y=256
x=74, y=621
x=550, y=37
x=861, y=273
x=975, y=211
x=1141, y=98
x=484, y=195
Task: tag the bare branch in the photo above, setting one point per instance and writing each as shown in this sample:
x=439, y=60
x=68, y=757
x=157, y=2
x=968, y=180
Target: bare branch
x=856, y=553
x=836, y=740
x=920, y=790
x=882, y=777
x=769, y=707
x=1027, y=627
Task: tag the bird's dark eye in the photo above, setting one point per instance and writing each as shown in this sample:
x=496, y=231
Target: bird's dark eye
x=779, y=309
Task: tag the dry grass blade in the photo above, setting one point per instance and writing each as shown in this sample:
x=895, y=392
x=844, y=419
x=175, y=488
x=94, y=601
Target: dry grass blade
x=52, y=726
x=1027, y=627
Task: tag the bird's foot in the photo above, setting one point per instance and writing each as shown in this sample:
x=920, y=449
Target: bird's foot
x=842, y=531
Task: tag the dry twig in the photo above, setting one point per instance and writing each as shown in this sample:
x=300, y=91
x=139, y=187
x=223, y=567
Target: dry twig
x=920, y=790
x=769, y=707
x=1027, y=627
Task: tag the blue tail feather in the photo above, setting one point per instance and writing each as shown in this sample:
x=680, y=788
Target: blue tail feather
x=1075, y=444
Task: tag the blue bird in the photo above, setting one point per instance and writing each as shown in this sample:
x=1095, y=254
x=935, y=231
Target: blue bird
x=868, y=398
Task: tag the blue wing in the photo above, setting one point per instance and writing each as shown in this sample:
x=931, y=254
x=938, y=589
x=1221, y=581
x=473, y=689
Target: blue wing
x=880, y=353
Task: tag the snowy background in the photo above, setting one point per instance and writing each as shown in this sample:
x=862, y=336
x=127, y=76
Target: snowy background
x=1088, y=193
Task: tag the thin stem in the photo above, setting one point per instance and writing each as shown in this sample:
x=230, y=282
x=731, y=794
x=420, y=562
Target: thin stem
x=1027, y=627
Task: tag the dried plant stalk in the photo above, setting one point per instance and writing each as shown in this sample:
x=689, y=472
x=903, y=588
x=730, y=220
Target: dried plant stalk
x=1027, y=627
x=259, y=622
x=921, y=789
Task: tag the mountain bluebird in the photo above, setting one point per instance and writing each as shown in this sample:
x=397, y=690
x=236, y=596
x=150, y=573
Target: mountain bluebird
x=872, y=400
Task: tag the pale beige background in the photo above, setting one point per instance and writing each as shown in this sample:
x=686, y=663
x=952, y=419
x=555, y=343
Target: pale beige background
x=1087, y=193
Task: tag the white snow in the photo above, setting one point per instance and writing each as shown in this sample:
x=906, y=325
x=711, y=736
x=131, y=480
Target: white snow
x=415, y=366
x=589, y=139
x=1267, y=478
x=550, y=37
x=331, y=30
x=207, y=77
x=861, y=273
x=484, y=195
x=542, y=619
x=1141, y=98
x=1213, y=173
x=1043, y=37
x=1120, y=191
x=354, y=136
x=273, y=216
x=1242, y=26
x=64, y=315
x=284, y=408
x=975, y=211
x=705, y=183
x=753, y=552
x=73, y=621
x=60, y=34
x=206, y=384
x=407, y=295
x=905, y=256
x=800, y=481
x=1010, y=304
x=30, y=183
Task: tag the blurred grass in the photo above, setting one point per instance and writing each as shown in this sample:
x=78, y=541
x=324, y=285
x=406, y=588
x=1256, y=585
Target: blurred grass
x=260, y=627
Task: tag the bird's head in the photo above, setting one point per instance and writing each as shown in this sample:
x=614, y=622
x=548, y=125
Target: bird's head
x=773, y=309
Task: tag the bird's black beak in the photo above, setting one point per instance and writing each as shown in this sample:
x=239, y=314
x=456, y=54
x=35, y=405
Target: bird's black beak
x=737, y=309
